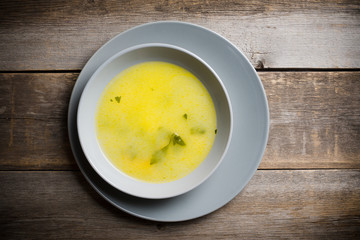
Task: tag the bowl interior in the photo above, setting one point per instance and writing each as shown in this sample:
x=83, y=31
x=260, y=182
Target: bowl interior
x=106, y=72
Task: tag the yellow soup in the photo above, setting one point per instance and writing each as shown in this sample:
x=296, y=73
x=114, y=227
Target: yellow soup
x=156, y=122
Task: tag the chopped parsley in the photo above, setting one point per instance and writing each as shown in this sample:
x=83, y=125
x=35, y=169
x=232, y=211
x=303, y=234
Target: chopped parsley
x=160, y=154
x=118, y=98
x=197, y=130
x=177, y=140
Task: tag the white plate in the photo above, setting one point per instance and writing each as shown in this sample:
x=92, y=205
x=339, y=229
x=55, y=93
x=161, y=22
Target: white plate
x=250, y=121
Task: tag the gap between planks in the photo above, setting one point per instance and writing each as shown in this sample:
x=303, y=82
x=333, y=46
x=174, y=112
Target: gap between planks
x=257, y=69
x=259, y=169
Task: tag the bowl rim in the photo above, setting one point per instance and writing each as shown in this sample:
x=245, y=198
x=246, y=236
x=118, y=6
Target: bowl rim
x=136, y=193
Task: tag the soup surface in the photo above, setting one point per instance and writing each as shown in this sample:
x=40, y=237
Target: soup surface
x=156, y=122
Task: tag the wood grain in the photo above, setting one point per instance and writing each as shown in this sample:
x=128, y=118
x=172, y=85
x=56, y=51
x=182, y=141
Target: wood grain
x=62, y=35
x=33, y=110
x=276, y=204
x=315, y=120
x=35, y=95
x=29, y=144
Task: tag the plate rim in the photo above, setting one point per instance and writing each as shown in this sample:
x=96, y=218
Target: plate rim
x=76, y=86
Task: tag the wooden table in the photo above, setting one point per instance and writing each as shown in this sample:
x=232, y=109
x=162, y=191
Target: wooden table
x=307, y=54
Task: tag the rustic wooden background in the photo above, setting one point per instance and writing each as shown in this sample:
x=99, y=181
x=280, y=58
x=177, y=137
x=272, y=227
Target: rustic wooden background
x=307, y=54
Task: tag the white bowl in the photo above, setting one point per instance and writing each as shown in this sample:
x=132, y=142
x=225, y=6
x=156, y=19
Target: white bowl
x=97, y=83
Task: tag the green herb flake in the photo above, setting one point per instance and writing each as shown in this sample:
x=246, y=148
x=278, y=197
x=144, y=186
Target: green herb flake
x=178, y=140
x=185, y=116
x=157, y=156
x=118, y=98
x=111, y=100
x=160, y=154
x=197, y=130
x=215, y=131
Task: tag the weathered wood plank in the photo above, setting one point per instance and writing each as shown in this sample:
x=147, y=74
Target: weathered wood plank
x=35, y=95
x=35, y=144
x=315, y=120
x=33, y=110
x=320, y=204
x=48, y=35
